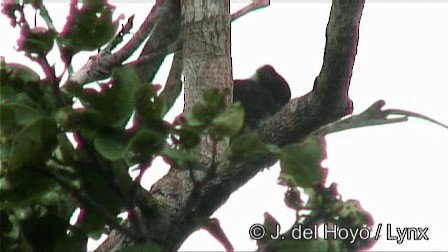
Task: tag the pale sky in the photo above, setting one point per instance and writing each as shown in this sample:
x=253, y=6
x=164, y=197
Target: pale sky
x=397, y=172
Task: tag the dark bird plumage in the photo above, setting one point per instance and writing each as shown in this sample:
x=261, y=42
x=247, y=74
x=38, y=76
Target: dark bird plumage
x=262, y=95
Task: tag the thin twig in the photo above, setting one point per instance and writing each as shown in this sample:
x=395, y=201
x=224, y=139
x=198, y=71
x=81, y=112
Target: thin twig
x=254, y=5
x=43, y=12
x=126, y=29
x=147, y=58
x=143, y=32
x=100, y=65
x=46, y=17
x=173, y=86
x=165, y=34
x=370, y=117
x=413, y=114
x=373, y=116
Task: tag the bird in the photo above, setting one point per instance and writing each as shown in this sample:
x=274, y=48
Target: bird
x=261, y=95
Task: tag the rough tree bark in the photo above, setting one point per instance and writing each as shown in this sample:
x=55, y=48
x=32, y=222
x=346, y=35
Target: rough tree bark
x=170, y=208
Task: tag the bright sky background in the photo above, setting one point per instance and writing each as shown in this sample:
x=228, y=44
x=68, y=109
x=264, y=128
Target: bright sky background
x=397, y=172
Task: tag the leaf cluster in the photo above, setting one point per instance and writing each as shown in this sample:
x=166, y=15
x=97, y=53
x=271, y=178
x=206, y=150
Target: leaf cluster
x=304, y=178
x=44, y=177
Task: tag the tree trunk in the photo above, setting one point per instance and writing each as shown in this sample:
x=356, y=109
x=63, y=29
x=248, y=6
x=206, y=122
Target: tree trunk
x=207, y=65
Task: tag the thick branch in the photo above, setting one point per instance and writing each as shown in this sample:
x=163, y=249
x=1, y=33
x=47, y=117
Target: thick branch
x=100, y=66
x=326, y=103
x=158, y=45
x=170, y=222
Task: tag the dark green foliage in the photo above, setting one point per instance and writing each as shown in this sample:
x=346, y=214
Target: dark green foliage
x=207, y=116
x=300, y=245
x=33, y=144
x=328, y=209
x=37, y=40
x=153, y=247
x=230, y=122
x=150, y=108
x=43, y=232
x=246, y=147
x=204, y=112
x=111, y=107
x=41, y=170
x=301, y=163
x=180, y=159
x=115, y=145
x=88, y=28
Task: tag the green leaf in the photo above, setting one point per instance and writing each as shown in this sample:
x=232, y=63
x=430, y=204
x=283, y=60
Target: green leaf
x=37, y=40
x=23, y=99
x=20, y=85
x=6, y=92
x=214, y=98
x=327, y=199
x=188, y=139
x=114, y=145
x=95, y=5
x=102, y=190
x=88, y=28
x=230, y=122
x=354, y=215
x=147, y=142
x=7, y=120
x=23, y=114
x=65, y=147
x=22, y=187
x=14, y=72
x=86, y=121
x=274, y=149
x=116, y=102
x=180, y=159
x=297, y=245
x=153, y=247
x=246, y=147
x=72, y=242
x=204, y=111
x=149, y=106
x=122, y=179
x=113, y=191
x=34, y=143
x=293, y=199
x=6, y=224
x=43, y=232
x=300, y=164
